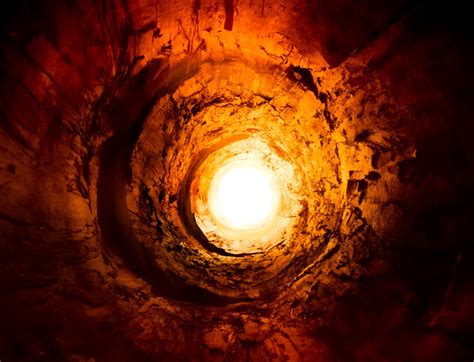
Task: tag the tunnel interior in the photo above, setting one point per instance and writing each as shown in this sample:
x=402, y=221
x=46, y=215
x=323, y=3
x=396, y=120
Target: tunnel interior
x=236, y=180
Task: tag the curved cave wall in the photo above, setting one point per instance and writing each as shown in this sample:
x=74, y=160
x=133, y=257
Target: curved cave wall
x=108, y=111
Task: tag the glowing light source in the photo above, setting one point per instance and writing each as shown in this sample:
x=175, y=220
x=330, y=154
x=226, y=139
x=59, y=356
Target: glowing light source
x=244, y=196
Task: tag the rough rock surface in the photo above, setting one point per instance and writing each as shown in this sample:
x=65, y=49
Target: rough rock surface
x=103, y=106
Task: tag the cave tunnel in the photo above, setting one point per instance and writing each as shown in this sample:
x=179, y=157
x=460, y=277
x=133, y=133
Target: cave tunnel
x=236, y=180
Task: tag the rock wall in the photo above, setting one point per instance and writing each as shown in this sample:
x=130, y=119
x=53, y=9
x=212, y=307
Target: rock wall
x=104, y=106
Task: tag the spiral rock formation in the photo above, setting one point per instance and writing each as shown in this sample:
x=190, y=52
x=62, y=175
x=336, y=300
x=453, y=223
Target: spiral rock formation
x=118, y=116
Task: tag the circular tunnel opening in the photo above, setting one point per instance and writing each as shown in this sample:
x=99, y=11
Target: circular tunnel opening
x=244, y=196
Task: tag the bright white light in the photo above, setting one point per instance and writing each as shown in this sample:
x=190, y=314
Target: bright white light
x=243, y=197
